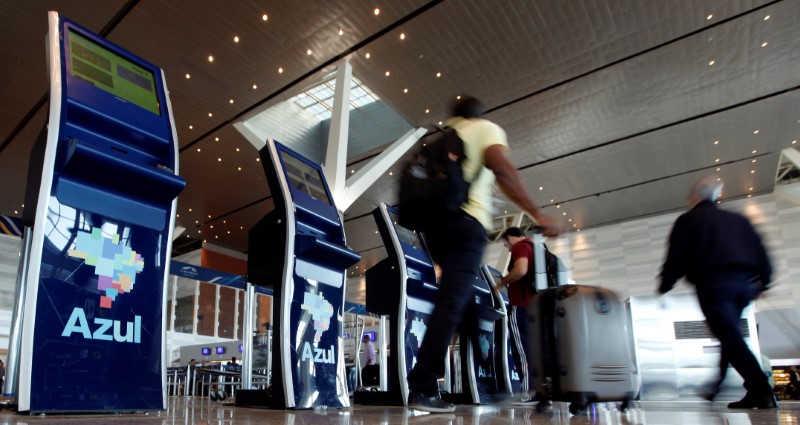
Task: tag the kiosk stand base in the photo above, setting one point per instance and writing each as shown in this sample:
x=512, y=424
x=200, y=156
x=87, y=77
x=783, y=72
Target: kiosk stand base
x=377, y=398
x=253, y=398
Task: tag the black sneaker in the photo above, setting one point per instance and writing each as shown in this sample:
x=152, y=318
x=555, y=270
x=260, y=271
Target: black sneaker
x=433, y=404
x=754, y=401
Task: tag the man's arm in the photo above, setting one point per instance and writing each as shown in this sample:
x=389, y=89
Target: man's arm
x=675, y=265
x=516, y=273
x=508, y=179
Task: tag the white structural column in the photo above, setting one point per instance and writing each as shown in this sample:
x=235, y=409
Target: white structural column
x=792, y=155
x=505, y=255
x=369, y=174
x=336, y=154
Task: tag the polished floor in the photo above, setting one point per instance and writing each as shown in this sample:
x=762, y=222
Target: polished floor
x=202, y=411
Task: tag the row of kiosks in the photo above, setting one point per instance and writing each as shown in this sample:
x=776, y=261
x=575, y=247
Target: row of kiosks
x=299, y=250
x=101, y=200
x=403, y=288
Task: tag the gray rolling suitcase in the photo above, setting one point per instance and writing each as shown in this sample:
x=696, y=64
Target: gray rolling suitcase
x=579, y=347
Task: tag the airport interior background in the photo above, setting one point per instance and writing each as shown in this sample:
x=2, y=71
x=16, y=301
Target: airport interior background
x=612, y=109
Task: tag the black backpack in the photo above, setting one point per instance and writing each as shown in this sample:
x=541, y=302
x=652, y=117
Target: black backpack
x=432, y=185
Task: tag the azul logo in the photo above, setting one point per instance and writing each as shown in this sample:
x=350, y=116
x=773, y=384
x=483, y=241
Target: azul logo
x=115, y=265
x=189, y=271
x=418, y=329
x=317, y=355
x=77, y=323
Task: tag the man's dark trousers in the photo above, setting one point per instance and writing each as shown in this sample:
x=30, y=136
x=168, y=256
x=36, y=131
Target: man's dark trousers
x=722, y=303
x=457, y=246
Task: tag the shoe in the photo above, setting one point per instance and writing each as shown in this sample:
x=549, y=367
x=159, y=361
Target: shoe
x=433, y=404
x=754, y=401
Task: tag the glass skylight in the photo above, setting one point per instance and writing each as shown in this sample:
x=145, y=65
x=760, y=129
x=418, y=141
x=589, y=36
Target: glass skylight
x=318, y=100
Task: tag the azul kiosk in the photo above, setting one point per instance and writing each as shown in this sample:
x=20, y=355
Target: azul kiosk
x=402, y=286
x=104, y=191
x=506, y=376
x=299, y=250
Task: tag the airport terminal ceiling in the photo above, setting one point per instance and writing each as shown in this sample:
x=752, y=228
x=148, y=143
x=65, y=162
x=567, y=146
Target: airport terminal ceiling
x=612, y=108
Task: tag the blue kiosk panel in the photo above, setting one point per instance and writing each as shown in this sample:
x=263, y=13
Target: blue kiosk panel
x=299, y=250
x=93, y=330
x=402, y=286
x=506, y=375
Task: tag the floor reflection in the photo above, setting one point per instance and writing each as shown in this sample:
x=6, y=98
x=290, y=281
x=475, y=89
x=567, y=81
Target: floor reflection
x=202, y=411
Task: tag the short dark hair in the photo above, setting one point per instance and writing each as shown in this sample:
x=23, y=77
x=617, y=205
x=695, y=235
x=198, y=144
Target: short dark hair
x=468, y=107
x=513, y=231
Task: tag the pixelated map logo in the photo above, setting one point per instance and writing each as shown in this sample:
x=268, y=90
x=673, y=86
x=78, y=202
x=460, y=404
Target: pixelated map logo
x=115, y=265
x=418, y=329
x=321, y=312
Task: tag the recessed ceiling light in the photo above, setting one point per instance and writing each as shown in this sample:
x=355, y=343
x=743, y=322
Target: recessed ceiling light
x=210, y=58
x=341, y=31
x=241, y=227
x=427, y=111
x=209, y=216
x=229, y=232
x=216, y=237
x=402, y=36
x=708, y=18
x=440, y=123
x=558, y=206
x=766, y=18
x=235, y=38
x=390, y=173
x=377, y=11
x=210, y=114
x=255, y=86
x=264, y=17
x=754, y=151
x=212, y=226
x=750, y=188
x=387, y=73
x=17, y=212
x=367, y=55
x=564, y=213
x=794, y=142
x=764, y=44
x=716, y=160
x=711, y=62
x=352, y=171
x=258, y=159
x=749, y=196
x=280, y=70
x=552, y=200
x=541, y=187
x=570, y=220
x=405, y=90
x=716, y=142
x=230, y=101
x=237, y=149
x=188, y=76
x=196, y=221
x=438, y=74
x=755, y=131
x=198, y=149
x=190, y=210
x=219, y=159
x=191, y=127
x=753, y=161
x=752, y=171
x=308, y=52
x=458, y=97
x=718, y=179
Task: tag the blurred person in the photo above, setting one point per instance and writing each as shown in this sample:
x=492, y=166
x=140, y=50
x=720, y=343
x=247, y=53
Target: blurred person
x=457, y=245
x=722, y=255
x=519, y=282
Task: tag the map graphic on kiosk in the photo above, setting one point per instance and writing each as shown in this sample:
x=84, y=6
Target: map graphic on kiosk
x=418, y=329
x=115, y=265
x=321, y=312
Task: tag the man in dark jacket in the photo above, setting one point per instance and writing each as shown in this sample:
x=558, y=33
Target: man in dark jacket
x=722, y=255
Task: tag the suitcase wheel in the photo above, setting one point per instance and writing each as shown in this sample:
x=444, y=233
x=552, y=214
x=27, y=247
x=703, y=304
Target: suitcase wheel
x=577, y=408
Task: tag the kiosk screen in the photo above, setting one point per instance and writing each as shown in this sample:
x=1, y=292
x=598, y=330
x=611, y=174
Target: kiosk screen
x=112, y=73
x=304, y=177
x=408, y=237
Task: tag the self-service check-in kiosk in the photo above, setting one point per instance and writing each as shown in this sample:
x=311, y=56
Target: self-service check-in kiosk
x=477, y=352
x=402, y=286
x=299, y=250
x=104, y=190
x=507, y=378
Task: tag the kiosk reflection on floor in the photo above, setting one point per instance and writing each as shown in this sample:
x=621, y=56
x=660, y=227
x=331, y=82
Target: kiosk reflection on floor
x=299, y=250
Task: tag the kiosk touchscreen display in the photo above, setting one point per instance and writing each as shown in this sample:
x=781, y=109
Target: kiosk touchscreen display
x=304, y=178
x=112, y=73
x=408, y=237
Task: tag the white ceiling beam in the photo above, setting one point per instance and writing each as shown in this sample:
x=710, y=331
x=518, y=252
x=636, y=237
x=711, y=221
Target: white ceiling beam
x=792, y=155
x=359, y=182
x=248, y=133
x=336, y=154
